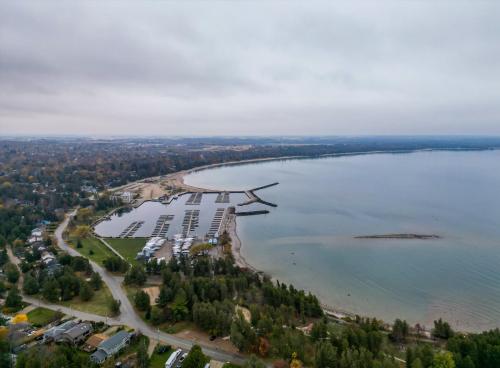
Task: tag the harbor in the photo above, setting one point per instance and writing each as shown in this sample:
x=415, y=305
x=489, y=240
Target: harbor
x=172, y=225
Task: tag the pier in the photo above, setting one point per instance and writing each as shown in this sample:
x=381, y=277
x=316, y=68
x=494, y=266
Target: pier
x=254, y=198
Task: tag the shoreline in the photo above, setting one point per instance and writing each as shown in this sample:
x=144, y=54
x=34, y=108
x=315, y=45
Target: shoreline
x=177, y=178
x=230, y=226
x=179, y=175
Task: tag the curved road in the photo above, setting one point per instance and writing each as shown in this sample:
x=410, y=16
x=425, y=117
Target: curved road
x=127, y=316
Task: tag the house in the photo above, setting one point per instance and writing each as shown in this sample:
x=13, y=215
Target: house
x=39, y=247
x=53, y=268
x=48, y=258
x=36, y=236
x=88, y=189
x=55, y=332
x=93, y=342
x=111, y=346
x=77, y=333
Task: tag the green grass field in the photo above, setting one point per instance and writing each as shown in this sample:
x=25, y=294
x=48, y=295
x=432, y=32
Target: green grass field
x=127, y=247
x=158, y=360
x=42, y=316
x=97, y=305
x=92, y=245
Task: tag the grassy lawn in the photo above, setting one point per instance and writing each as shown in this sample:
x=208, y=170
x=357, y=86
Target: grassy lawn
x=97, y=305
x=42, y=316
x=127, y=247
x=92, y=245
x=158, y=360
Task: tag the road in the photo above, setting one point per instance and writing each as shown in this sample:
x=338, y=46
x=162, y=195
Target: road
x=127, y=316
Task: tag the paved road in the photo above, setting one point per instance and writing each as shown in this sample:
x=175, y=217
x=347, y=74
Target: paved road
x=127, y=316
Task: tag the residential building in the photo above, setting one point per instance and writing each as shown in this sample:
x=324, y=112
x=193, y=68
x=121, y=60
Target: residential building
x=111, y=346
x=55, y=332
x=93, y=342
x=77, y=334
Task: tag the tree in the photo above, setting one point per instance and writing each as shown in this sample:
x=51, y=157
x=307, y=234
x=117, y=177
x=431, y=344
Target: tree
x=30, y=285
x=11, y=272
x=86, y=292
x=81, y=231
x=417, y=363
x=114, y=307
x=50, y=290
x=4, y=258
x=79, y=243
x=400, y=331
x=242, y=334
x=164, y=297
x=96, y=281
x=443, y=360
x=141, y=300
x=319, y=331
x=135, y=275
x=115, y=264
x=14, y=300
x=442, y=330
x=326, y=355
x=179, y=306
x=253, y=362
x=195, y=358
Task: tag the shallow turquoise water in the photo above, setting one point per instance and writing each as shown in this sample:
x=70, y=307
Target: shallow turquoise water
x=323, y=203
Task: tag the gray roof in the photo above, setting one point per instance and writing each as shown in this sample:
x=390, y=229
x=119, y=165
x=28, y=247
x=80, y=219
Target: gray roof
x=57, y=330
x=79, y=330
x=114, y=341
x=98, y=356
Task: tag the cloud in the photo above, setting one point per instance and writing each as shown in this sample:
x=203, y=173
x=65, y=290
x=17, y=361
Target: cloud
x=203, y=68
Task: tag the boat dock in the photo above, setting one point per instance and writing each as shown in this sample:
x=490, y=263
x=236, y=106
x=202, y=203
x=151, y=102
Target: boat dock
x=131, y=229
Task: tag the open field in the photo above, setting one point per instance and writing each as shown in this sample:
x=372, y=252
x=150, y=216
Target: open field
x=93, y=249
x=97, y=305
x=127, y=247
x=42, y=316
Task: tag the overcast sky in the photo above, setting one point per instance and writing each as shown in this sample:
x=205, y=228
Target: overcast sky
x=249, y=68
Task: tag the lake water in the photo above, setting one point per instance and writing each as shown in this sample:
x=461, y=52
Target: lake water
x=149, y=213
x=308, y=240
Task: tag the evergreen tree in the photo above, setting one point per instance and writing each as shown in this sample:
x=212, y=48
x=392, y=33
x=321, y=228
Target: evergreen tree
x=195, y=358
x=30, y=286
x=14, y=300
x=50, y=290
x=86, y=292
x=12, y=273
x=326, y=355
x=96, y=281
x=141, y=300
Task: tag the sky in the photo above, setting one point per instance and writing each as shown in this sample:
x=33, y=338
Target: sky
x=192, y=68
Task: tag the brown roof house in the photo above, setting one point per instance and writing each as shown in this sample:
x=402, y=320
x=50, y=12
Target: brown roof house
x=93, y=342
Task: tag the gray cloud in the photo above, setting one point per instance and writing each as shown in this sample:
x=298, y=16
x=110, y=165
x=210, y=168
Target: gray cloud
x=198, y=68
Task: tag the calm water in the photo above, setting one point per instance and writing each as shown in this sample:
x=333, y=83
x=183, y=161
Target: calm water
x=149, y=212
x=324, y=203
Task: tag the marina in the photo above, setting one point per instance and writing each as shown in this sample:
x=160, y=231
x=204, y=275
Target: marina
x=131, y=229
x=173, y=225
